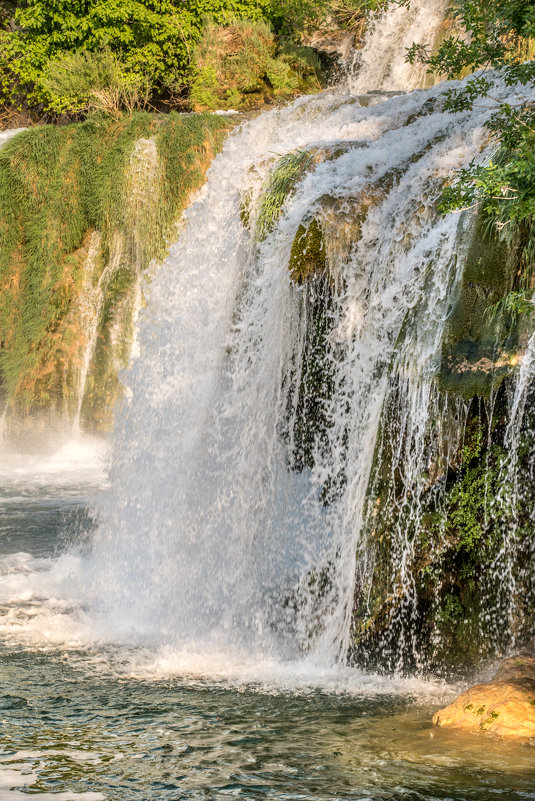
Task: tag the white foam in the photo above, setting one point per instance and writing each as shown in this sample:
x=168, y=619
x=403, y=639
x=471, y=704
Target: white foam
x=382, y=63
x=79, y=460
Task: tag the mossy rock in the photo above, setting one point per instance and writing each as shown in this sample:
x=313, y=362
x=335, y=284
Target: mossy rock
x=504, y=706
x=455, y=543
x=307, y=257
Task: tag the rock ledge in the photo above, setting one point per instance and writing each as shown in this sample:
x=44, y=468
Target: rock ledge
x=504, y=706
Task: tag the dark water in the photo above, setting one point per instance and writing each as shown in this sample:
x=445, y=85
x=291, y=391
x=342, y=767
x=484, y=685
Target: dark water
x=74, y=726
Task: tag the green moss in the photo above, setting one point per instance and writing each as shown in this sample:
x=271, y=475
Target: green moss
x=57, y=184
x=103, y=388
x=456, y=616
x=482, y=334
x=307, y=257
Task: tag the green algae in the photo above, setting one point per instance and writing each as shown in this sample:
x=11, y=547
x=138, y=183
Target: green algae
x=308, y=257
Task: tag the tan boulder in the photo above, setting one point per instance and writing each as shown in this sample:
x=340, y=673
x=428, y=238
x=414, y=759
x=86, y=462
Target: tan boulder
x=504, y=706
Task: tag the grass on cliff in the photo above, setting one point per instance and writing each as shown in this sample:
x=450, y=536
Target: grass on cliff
x=57, y=184
x=278, y=186
x=242, y=65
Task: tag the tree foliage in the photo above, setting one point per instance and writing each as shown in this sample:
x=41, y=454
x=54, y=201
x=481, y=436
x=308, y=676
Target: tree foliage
x=54, y=53
x=494, y=42
x=151, y=38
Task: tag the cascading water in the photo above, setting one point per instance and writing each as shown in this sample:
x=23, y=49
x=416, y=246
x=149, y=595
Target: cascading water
x=283, y=411
x=381, y=64
x=511, y=581
x=214, y=536
x=277, y=365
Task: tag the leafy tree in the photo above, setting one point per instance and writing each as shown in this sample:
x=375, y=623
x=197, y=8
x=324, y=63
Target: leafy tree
x=151, y=38
x=153, y=44
x=496, y=42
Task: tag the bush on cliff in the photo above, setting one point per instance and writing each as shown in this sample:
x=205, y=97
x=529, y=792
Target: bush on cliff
x=55, y=57
x=240, y=65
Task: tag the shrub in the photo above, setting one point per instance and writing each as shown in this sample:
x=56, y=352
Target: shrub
x=85, y=81
x=153, y=38
x=238, y=65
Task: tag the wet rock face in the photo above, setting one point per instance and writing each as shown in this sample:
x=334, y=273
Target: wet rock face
x=504, y=706
x=480, y=345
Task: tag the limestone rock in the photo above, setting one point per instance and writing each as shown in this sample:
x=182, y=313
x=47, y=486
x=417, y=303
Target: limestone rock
x=336, y=42
x=504, y=706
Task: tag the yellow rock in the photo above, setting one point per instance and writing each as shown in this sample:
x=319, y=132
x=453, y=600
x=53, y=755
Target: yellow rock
x=504, y=706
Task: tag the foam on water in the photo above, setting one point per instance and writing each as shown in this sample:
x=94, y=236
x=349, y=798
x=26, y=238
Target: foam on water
x=42, y=609
x=16, y=778
x=8, y=134
x=75, y=461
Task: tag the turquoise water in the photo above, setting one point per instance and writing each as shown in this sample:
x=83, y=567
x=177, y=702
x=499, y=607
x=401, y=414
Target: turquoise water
x=80, y=722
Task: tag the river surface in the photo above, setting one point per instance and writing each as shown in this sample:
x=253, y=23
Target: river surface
x=101, y=721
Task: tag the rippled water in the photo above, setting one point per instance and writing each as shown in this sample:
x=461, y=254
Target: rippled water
x=103, y=722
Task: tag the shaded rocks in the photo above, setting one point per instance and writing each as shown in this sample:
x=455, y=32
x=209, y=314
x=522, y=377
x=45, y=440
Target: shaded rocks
x=338, y=43
x=483, y=337
x=504, y=706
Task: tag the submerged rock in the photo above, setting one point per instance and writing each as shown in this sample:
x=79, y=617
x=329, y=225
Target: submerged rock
x=504, y=706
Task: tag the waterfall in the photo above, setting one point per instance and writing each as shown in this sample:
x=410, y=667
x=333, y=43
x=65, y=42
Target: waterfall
x=381, y=64
x=511, y=576
x=127, y=249
x=231, y=523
